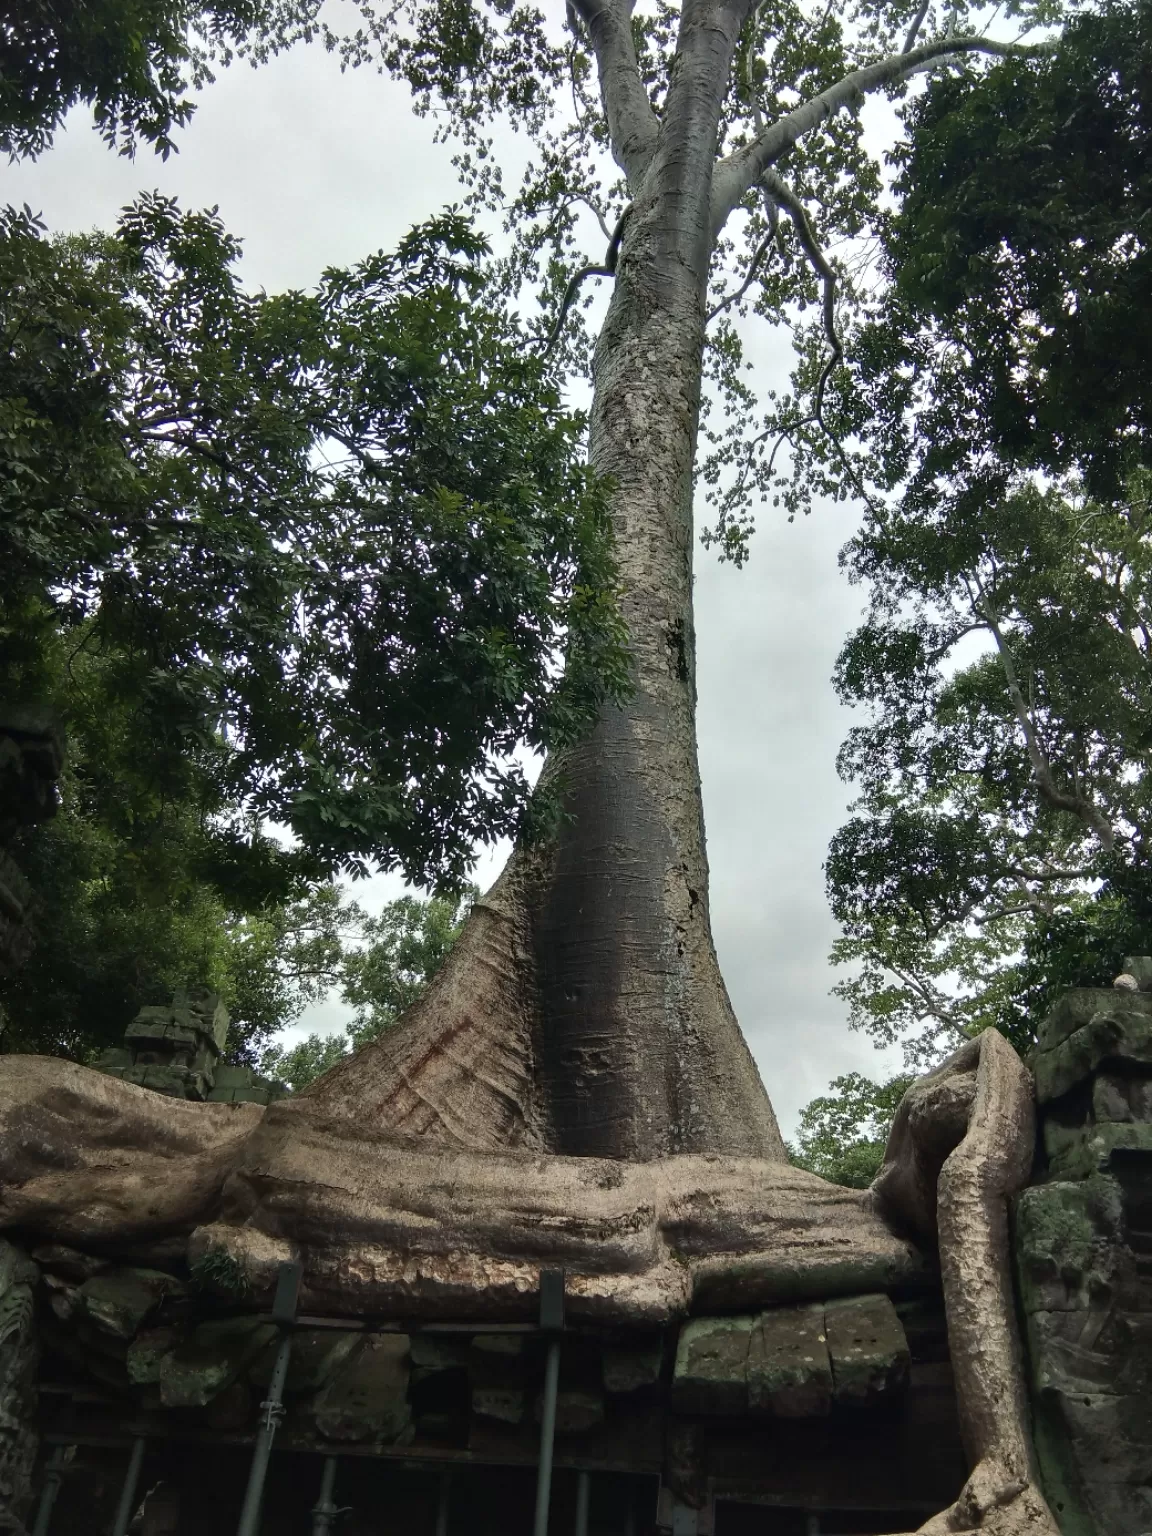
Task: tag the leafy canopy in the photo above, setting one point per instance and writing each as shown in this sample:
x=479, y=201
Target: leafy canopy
x=998, y=851
x=327, y=549
x=134, y=62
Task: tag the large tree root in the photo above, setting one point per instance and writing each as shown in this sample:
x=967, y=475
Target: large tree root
x=930, y=1181
x=408, y=1228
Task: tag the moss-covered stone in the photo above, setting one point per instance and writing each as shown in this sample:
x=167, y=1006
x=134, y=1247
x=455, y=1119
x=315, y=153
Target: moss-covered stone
x=1069, y=1242
x=214, y=1356
x=367, y=1397
x=711, y=1373
x=1088, y=1028
x=117, y=1301
x=867, y=1348
x=789, y=1368
x=632, y=1367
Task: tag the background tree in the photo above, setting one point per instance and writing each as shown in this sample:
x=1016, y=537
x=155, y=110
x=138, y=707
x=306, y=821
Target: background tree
x=997, y=854
x=135, y=62
x=312, y=559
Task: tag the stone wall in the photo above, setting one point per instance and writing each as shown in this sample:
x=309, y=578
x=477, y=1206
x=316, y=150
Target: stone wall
x=1083, y=1237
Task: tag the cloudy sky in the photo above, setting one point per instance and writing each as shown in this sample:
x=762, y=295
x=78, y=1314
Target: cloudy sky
x=312, y=168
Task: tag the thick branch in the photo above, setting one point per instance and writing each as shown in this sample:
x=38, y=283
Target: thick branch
x=741, y=170
x=1089, y=814
x=632, y=124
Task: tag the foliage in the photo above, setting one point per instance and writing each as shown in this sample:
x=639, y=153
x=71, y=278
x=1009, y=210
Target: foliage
x=397, y=954
x=997, y=853
x=326, y=547
x=133, y=61
x=842, y=1134
x=130, y=905
x=1013, y=333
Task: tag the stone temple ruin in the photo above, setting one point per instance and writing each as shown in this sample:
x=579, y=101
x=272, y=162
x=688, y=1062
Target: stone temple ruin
x=226, y=1310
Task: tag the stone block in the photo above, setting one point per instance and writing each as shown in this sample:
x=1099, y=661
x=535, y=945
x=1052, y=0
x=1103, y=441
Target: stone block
x=507, y=1405
x=498, y=1360
x=1117, y=1098
x=578, y=1410
x=632, y=1367
x=867, y=1348
x=317, y=1355
x=116, y=1301
x=1089, y=1028
x=214, y=1356
x=789, y=1367
x=711, y=1373
x=433, y=1352
x=367, y=1397
x=68, y=1262
x=1077, y=1152
x=1069, y=1245
x=145, y=1353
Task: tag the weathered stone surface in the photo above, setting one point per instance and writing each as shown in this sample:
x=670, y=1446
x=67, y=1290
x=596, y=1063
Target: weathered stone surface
x=71, y=1263
x=212, y=1358
x=117, y=1301
x=711, y=1373
x=19, y=1357
x=867, y=1349
x=1070, y=1245
x=578, y=1410
x=146, y=1352
x=789, y=1369
x=507, y=1405
x=367, y=1397
x=632, y=1367
x=317, y=1355
x=1089, y=1027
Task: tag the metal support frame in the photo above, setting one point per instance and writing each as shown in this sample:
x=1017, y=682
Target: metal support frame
x=125, y=1508
x=325, y=1510
x=583, y=1494
x=551, y=1323
x=272, y=1408
x=53, y=1477
x=444, y=1502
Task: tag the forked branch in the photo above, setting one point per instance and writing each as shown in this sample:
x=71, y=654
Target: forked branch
x=632, y=123
x=740, y=171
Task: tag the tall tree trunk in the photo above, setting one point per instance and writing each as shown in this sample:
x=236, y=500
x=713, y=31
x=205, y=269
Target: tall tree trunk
x=583, y=1009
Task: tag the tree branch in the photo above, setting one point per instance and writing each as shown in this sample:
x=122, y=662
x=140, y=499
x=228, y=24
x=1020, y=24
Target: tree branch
x=787, y=199
x=740, y=171
x=1077, y=804
x=605, y=269
x=749, y=277
x=914, y=29
x=632, y=123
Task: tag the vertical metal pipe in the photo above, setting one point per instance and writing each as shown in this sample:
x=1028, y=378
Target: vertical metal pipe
x=443, y=1507
x=272, y=1412
x=124, y=1509
x=53, y=1477
x=630, y=1518
x=547, y=1436
x=583, y=1492
x=324, y=1511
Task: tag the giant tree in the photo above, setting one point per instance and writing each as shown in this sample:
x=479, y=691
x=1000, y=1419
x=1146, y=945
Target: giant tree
x=586, y=983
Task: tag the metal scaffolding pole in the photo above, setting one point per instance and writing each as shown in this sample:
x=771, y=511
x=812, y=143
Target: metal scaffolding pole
x=583, y=1492
x=284, y=1313
x=325, y=1510
x=53, y=1477
x=551, y=1323
x=124, y=1509
x=444, y=1503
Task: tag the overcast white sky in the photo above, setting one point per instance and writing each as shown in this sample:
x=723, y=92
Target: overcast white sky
x=312, y=168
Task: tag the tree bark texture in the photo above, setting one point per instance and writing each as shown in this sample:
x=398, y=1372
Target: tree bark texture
x=583, y=1011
